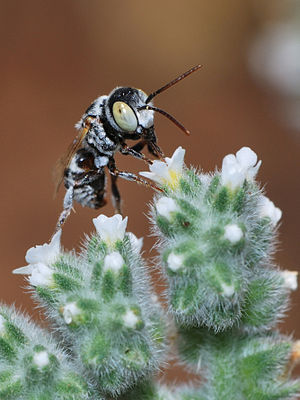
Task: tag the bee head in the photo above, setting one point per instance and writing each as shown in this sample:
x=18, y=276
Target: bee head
x=124, y=113
x=130, y=111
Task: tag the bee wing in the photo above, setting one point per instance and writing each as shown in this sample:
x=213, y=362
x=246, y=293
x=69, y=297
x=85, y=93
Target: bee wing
x=63, y=162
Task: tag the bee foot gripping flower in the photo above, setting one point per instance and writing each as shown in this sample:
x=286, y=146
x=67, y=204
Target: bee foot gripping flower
x=167, y=173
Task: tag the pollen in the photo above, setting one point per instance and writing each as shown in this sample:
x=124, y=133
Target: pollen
x=173, y=180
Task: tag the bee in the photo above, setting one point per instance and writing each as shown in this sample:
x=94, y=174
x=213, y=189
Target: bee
x=125, y=114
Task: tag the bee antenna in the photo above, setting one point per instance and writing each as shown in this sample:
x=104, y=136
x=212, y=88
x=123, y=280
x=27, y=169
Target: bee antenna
x=177, y=123
x=173, y=82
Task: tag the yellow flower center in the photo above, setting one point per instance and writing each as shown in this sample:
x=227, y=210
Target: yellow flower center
x=173, y=180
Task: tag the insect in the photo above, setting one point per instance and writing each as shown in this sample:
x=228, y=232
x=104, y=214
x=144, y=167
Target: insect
x=125, y=114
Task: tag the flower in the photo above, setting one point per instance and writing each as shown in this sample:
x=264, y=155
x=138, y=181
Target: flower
x=290, y=279
x=165, y=206
x=240, y=167
x=113, y=261
x=110, y=229
x=268, y=209
x=169, y=172
x=41, y=359
x=39, y=260
x=175, y=261
x=130, y=319
x=41, y=275
x=227, y=290
x=136, y=243
x=70, y=311
x=233, y=233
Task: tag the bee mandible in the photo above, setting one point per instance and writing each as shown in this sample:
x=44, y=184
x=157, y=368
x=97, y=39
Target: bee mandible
x=125, y=114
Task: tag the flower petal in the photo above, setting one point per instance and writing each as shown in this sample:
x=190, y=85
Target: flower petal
x=110, y=229
x=136, y=243
x=246, y=157
x=150, y=175
x=27, y=270
x=176, y=162
x=113, y=261
x=165, y=206
x=45, y=253
x=268, y=209
x=168, y=172
x=41, y=275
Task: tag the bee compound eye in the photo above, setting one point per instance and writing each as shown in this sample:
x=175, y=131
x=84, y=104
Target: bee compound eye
x=124, y=116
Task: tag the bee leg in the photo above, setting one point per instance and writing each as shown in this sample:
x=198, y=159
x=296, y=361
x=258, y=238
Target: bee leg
x=156, y=151
x=134, y=153
x=139, y=146
x=68, y=204
x=130, y=176
x=116, y=198
x=153, y=148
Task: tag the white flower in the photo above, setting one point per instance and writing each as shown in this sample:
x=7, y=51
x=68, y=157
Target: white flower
x=290, y=279
x=238, y=168
x=165, y=206
x=136, y=243
x=113, y=261
x=227, y=290
x=2, y=326
x=70, y=311
x=175, y=261
x=130, y=319
x=110, y=229
x=169, y=172
x=268, y=209
x=41, y=359
x=39, y=260
x=233, y=233
x=41, y=275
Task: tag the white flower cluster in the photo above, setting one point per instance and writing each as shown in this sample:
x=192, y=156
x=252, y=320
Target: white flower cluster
x=238, y=168
x=111, y=230
x=169, y=172
x=40, y=258
x=244, y=166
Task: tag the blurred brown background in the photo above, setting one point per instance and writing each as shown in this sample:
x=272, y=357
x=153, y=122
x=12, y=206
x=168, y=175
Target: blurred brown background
x=56, y=57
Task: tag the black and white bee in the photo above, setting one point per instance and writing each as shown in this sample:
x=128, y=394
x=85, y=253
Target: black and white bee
x=126, y=113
